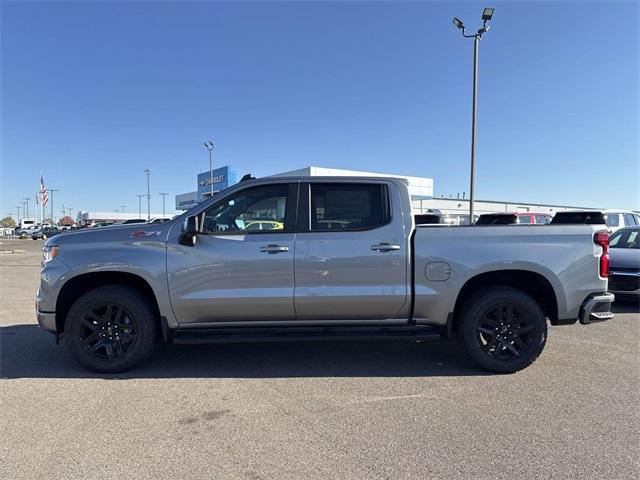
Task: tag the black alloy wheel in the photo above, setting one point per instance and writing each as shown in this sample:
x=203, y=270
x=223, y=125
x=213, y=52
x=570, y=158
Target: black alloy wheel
x=112, y=328
x=504, y=332
x=108, y=332
x=502, y=329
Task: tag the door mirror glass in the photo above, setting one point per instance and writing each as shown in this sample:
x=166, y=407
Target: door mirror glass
x=189, y=231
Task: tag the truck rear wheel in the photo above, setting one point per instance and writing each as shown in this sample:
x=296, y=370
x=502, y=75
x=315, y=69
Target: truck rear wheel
x=111, y=329
x=502, y=329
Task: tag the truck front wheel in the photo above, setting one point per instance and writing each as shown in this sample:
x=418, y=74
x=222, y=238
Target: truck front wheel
x=502, y=329
x=111, y=329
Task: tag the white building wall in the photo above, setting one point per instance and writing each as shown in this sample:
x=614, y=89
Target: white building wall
x=459, y=206
x=418, y=186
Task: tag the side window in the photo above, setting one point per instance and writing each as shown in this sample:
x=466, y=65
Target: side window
x=612, y=219
x=254, y=210
x=543, y=219
x=629, y=219
x=348, y=206
x=524, y=219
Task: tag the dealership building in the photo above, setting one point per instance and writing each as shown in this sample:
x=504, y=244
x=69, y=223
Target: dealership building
x=420, y=189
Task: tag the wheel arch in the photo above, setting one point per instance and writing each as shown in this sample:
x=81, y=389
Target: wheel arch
x=81, y=284
x=532, y=283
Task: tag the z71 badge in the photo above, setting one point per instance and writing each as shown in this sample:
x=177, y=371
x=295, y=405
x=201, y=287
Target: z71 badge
x=144, y=234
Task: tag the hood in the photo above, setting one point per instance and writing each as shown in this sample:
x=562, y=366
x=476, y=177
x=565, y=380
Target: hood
x=116, y=233
x=624, y=258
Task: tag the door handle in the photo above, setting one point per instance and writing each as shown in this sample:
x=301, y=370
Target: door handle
x=271, y=249
x=384, y=247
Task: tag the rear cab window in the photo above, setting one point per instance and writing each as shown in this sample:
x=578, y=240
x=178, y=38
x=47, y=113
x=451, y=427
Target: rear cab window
x=348, y=206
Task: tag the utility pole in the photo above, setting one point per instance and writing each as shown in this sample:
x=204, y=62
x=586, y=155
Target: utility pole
x=52, y=190
x=163, y=196
x=148, y=172
x=140, y=205
x=209, y=146
x=487, y=14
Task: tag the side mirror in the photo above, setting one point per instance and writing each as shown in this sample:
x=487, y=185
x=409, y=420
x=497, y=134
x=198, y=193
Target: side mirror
x=189, y=233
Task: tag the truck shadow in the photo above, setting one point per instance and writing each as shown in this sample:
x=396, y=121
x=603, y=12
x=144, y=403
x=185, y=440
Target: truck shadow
x=26, y=351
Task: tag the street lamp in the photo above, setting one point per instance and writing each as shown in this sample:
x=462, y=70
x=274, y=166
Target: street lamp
x=26, y=200
x=209, y=146
x=163, y=196
x=123, y=207
x=140, y=205
x=148, y=172
x=18, y=209
x=487, y=14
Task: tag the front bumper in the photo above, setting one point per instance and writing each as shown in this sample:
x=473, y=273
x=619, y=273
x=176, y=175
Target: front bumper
x=596, y=308
x=47, y=321
x=623, y=283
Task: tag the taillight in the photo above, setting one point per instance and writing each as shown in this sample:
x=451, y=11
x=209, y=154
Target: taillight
x=602, y=239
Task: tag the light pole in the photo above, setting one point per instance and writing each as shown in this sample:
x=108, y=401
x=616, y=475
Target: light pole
x=487, y=14
x=123, y=207
x=140, y=205
x=26, y=200
x=163, y=196
x=209, y=146
x=148, y=172
x=52, y=190
x=18, y=209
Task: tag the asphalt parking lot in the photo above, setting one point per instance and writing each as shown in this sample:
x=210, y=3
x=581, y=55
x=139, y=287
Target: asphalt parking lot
x=315, y=410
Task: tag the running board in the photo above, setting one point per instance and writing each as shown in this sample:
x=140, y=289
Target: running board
x=306, y=334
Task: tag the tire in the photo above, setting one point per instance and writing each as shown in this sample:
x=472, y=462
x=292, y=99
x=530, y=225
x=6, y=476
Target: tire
x=44, y=236
x=502, y=329
x=111, y=329
x=23, y=235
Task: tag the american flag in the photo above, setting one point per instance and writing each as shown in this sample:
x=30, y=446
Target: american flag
x=43, y=192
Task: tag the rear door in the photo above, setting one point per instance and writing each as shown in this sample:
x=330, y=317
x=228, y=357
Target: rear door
x=235, y=272
x=351, y=253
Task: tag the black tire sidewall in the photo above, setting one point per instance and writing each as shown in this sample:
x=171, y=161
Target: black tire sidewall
x=472, y=314
x=132, y=301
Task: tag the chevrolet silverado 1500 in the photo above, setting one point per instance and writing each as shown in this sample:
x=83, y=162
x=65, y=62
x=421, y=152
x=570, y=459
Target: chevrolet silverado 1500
x=333, y=258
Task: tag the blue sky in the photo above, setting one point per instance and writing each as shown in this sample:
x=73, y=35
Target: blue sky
x=93, y=93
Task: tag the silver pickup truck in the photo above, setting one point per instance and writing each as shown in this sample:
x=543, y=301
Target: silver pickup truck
x=319, y=258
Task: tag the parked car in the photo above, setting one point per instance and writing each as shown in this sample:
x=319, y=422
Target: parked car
x=621, y=218
x=44, y=233
x=132, y=220
x=26, y=232
x=520, y=218
x=624, y=260
x=113, y=293
x=263, y=225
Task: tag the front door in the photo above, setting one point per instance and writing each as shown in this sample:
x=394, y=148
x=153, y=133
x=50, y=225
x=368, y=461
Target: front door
x=241, y=267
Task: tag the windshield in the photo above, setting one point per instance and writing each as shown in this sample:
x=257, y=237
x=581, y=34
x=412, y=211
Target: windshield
x=625, y=239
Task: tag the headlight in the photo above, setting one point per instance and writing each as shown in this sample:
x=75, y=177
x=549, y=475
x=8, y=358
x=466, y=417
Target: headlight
x=49, y=253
